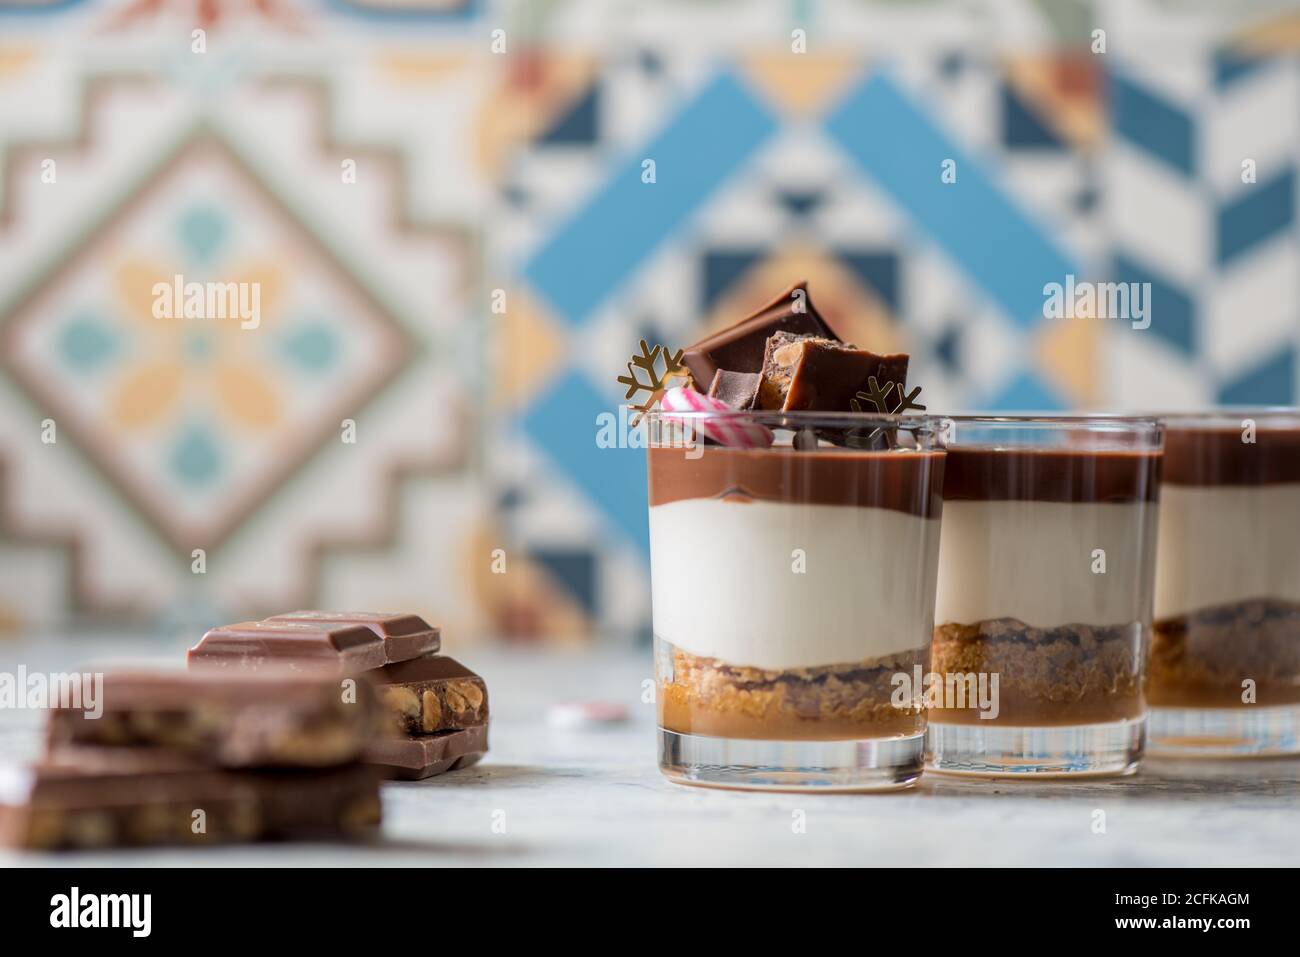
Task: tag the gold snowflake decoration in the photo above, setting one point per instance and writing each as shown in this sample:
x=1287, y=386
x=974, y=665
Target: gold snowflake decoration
x=656, y=384
x=880, y=398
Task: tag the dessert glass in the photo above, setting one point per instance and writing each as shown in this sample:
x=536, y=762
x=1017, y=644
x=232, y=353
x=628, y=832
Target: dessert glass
x=793, y=597
x=1043, y=612
x=1225, y=650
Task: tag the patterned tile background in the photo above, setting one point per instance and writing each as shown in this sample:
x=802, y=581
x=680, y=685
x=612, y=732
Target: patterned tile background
x=442, y=203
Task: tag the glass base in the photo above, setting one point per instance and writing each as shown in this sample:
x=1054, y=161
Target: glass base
x=1047, y=752
x=869, y=764
x=1225, y=732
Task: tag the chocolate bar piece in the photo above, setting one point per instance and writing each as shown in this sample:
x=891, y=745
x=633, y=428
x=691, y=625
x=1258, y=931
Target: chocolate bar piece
x=343, y=643
x=823, y=375
x=739, y=390
x=405, y=636
x=228, y=718
x=339, y=649
x=433, y=693
x=740, y=347
x=92, y=797
x=423, y=755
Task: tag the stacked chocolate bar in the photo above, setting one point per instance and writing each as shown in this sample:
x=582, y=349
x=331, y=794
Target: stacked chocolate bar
x=435, y=709
x=199, y=758
x=786, y=357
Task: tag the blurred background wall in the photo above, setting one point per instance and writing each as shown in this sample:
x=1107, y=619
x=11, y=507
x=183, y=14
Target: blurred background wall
x=443, y=205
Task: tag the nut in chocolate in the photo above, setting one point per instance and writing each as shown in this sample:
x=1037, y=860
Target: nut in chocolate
x=951, y=690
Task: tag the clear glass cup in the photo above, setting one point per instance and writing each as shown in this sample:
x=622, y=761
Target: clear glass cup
x=1043, y=611
x=1225, y=651
x=793, y=597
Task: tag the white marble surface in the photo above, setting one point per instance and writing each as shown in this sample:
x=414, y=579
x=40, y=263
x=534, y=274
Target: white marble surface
x=569, y=797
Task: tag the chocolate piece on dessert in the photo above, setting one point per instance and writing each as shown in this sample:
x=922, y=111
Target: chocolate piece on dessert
x=811, y=373
x=741, y=347
x=81, y=797
x=433, y=693
x=739, y=390
x=1074, y=674
x=417, y=756
x=226, y=718
x=805, y=440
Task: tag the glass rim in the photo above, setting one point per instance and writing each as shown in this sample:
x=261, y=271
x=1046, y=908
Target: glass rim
x=1232, y=415
x=776, y=418
x=1100, y=420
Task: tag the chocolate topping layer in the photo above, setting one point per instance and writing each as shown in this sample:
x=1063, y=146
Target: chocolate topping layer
x=1051, y=475
x=905, y=481
x=1218, y=456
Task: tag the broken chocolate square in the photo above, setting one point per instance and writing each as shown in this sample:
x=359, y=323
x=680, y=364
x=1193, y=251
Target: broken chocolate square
x=740, y=347
x=823, y=375
x=739, y=390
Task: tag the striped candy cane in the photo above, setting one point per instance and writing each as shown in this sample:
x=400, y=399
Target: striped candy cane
x=725, y=427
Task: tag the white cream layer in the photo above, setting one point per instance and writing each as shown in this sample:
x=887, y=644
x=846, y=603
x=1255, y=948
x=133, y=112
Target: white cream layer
x=1034, y=561
x=1227, y=543
x=726, y=581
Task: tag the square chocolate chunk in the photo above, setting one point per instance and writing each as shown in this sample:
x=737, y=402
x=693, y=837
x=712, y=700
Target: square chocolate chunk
x=823, y=375
x=738, y=390
x=739, y=347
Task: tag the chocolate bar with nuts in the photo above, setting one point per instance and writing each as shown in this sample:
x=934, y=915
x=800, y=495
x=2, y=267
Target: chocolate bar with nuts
x=342, y=643
x=340, y=649
x=404, y=636
x=740, y=347
x=80, y=798
x=433, y=693
x=418, y=756
x=227, y=718
x=823, y=375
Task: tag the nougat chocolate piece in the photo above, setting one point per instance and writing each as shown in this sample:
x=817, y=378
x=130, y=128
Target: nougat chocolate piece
x=430, y=694
x=342, y=642
x=816, y=374
x=231, y=719
x=738, y=390
x=417, y=756
x=739, y=347
x=299, y=645
x=405, y=636
x=86, y=797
